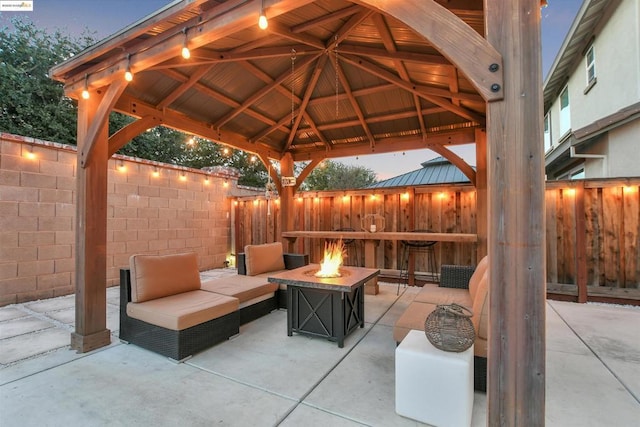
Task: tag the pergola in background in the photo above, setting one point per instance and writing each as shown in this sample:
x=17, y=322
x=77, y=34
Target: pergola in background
x=335, y=78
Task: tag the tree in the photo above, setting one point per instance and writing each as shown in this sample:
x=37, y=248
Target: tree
x=31, y=104
x=331, y=175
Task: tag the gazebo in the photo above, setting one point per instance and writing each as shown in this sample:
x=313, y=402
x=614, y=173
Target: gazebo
x=333, y=78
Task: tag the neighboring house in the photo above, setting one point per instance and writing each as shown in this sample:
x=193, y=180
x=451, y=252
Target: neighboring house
x=435, y=171
x=592, y=95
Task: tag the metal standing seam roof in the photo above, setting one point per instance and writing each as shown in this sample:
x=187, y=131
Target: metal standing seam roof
x=435, y=171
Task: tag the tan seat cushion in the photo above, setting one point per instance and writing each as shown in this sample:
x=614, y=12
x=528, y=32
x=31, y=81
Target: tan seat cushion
x=416, y=314
x=432, y=293
x=157, y=276
x=184, y=310
x=244, y=288
x=263, y=258
x=273, y=273
x=481, y=268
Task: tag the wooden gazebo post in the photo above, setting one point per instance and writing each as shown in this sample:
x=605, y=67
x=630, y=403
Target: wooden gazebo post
x=91, y=228
x=516, y=387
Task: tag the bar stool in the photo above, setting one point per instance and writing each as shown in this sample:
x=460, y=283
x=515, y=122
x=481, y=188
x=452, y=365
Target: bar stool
x=418, y=246
x=353, y=245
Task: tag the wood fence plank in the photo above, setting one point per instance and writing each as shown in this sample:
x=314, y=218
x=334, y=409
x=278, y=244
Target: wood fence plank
x=631, y=235
x=551, y=197
x=612, y=214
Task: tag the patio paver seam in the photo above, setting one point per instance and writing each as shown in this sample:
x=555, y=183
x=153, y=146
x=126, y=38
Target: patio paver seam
x=597, y=356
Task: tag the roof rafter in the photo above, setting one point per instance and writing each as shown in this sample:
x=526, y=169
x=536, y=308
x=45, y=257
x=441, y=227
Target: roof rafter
x=311, y=85
x=390, y=77
x=185, y=86
x=326, y=19
x=262, y=92
x=390, y=46
x=218, y=96
x=354, y=103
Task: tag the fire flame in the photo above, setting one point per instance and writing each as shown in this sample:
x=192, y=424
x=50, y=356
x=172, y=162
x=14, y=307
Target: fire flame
x=333, y=257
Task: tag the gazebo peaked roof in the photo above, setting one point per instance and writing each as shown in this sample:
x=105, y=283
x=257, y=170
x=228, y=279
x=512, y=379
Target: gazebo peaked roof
x=435, y=171
x=328, y=78
x=410, y=74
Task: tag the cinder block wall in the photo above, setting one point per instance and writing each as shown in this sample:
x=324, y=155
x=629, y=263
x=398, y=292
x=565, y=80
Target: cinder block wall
x=152, y=208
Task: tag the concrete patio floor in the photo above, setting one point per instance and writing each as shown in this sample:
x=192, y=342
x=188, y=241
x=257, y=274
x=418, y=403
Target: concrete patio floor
x=262, y=377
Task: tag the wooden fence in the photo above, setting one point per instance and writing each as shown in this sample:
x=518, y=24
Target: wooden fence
x=592, y=229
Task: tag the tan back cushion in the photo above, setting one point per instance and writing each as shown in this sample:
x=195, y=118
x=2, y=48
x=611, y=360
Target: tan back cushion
x=263, y=258
x=480, y=317
x=476, y=276
x=156, y=276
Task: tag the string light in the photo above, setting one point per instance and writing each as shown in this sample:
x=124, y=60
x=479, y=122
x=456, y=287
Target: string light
x=30, y=154
x=156, y=171
x=128, y=75
x=186, y=54
x=183, y=176
x=85, y=91
x=121, y=166
x=206, y=180
x=253, y=159
x=262, y=20
x=225, y=184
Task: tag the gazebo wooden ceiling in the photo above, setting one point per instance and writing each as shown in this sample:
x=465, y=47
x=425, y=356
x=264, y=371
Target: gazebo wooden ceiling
x=369, y=76
x=329, y=78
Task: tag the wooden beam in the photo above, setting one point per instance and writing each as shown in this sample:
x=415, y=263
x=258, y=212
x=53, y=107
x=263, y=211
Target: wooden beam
x=344, y=31
x=482, y=201
x=310, y=87
x=219, y=22
x=208, y=57
x=326, y=19
x=307, y=170
x=389, y=145
x=460, y=43
x=91, y=228
x=137, y=108
x=98, y=123
x=517, y=276
x=130, y=131
x=218, y=96
x=390, y=77
x=354, y=104
x=373, y=52
x=285, y=32
x=264, y=91
x=378, y=119
x=185, y=86
x=390, y=46
x=455, y=160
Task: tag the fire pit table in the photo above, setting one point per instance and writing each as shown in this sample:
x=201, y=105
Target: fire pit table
x=329, y=307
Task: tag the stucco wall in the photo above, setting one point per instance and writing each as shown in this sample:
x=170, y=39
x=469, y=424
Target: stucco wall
x=176, y=211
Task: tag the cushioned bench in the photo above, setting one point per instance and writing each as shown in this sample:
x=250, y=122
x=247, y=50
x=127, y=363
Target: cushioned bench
x=163, y=309
x=464, y=285
x=262, y=261
x=257, y=296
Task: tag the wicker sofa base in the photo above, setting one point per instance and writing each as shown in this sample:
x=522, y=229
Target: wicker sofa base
x=259, y=309
x=480, y=373
x=176, y=345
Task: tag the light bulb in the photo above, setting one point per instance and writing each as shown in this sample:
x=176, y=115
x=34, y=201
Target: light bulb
x=262, y=21
x=186, y=54
x=85, y=91
x=128, y=75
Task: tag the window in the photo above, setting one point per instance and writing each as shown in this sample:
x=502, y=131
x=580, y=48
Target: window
x=565, y=114
x=591, y=65
x=547, y=133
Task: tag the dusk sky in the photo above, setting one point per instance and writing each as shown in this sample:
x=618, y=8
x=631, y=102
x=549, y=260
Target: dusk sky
x=105, y=17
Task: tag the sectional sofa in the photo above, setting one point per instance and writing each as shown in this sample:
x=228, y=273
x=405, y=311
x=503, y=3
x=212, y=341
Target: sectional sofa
x=165, y=308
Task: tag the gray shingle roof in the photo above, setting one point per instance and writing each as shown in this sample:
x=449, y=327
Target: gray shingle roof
x=435, y=171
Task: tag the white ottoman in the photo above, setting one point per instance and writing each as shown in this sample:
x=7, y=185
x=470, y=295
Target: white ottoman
x=433, y=386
